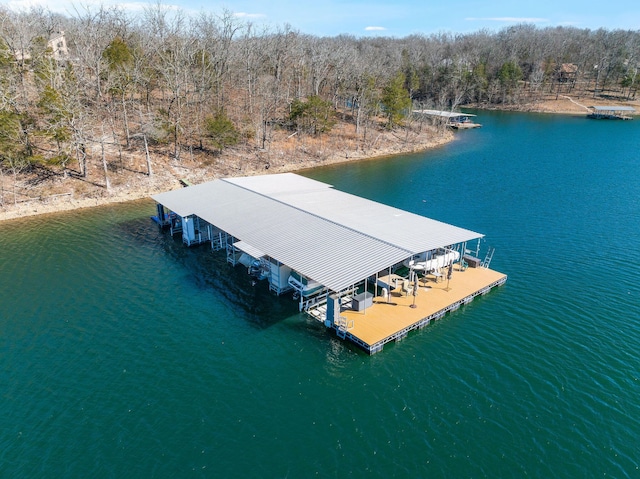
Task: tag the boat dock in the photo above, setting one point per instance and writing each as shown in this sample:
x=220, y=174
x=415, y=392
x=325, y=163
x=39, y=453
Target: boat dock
x=611, y=112
x=391, y=317
x=456, y=120
x=351, y=263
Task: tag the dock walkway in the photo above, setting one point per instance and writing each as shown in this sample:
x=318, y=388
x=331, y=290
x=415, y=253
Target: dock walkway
x=392, y=318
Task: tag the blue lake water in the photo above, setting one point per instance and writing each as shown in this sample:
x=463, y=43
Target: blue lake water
x=126, y=354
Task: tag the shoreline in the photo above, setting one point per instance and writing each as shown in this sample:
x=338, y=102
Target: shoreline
x=165, y=181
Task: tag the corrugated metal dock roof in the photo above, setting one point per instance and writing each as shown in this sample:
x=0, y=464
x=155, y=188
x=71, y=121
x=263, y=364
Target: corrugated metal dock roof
x=330, y=236
x=613, y=108
x=250, y=250
x=401, y=228
x=444, y=114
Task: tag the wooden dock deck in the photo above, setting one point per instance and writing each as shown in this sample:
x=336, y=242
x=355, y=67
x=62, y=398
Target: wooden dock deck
x=391, y=319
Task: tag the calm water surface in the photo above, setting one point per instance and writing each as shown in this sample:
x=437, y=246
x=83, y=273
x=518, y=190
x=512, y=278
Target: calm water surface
x=125, y=354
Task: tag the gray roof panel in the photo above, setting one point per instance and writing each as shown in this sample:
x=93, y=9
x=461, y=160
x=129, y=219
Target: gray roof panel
x=613, y=108
x=445, y=114
x=247, y=248
x=329, y=236
x=401, y=228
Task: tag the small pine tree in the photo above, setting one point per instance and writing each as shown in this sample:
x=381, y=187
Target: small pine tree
x=509, y=75
x=221, y=131
x=55, y=116
x=396, y=100
x=117, y=54
x=313, y=116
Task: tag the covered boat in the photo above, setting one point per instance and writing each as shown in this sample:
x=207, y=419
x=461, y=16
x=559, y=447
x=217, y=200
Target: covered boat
x=303, y=285
x=432, y=260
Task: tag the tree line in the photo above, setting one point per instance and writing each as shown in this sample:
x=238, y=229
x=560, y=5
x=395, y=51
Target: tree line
x=210, y=81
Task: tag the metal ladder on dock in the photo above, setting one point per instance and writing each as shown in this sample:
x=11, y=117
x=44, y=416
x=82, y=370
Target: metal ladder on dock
x=488, y=257
x=217, y=241
x=274, y=280
x=343, y=326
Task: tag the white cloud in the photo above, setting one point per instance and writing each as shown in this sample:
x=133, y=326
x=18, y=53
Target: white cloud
x=375, y=29
x=249, y=15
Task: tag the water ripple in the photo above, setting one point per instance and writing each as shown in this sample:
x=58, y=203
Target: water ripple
x=126, y=354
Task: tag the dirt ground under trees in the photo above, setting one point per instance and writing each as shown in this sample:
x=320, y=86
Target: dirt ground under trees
x=46, y=192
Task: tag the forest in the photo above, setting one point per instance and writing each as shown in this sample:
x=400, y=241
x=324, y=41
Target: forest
x=82, y=94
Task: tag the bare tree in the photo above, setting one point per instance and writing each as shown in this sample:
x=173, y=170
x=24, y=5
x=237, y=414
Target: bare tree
x=173, y=50
x=158, y=77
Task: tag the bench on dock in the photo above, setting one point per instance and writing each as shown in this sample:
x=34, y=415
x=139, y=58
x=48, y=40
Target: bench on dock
x=472, y=261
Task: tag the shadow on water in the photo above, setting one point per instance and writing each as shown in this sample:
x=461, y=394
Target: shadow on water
x=209, y=272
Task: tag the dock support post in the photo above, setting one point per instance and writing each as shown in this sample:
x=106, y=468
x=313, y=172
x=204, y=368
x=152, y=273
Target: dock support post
x=415, y=292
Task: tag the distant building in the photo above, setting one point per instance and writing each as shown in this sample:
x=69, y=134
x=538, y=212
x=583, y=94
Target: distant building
x=57, y=43
x=567, y=73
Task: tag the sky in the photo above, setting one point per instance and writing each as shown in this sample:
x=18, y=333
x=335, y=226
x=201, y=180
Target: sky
x=392, y=18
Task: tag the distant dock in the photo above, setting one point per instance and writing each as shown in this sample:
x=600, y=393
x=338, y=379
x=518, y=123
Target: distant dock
x=452, y=119
x=611, y=112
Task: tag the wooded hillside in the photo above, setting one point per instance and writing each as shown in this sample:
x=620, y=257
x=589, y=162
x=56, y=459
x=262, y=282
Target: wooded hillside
x=102, y=97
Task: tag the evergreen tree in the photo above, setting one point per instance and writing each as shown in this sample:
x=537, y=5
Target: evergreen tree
x=509, y=75
x=55, y=121
x=221, y=131
x=396, y=100
x=313, y=116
